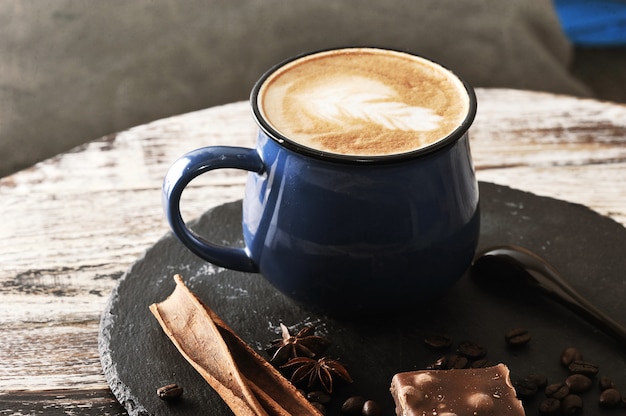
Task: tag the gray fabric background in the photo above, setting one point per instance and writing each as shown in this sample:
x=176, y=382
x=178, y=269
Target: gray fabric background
x=75, y=70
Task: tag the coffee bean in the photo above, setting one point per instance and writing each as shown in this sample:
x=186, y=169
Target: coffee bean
x=471, y=350
x=583, y=367
x=438, y=341
x=605, y=383
x=571, y=405
x=371, y=408
x=318, y=397
x=517, y=337
x=578, y=383
x=170, y=392
x=550, y=407
x=440, y=364
x=525, y=388
x=320, y=407
x=353, y=406
x=539, y=379
x=456, y=362
x=557, y=390
x=610, y=398
x=530, y=385
x=569, y=355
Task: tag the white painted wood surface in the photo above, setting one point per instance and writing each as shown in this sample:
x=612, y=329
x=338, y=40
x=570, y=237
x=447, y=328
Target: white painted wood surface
x=71, y=226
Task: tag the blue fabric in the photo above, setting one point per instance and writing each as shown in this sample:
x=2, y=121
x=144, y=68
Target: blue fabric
x=593, y=22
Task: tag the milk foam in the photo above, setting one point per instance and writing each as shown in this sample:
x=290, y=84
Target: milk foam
x=345, y=102
x=363, y=102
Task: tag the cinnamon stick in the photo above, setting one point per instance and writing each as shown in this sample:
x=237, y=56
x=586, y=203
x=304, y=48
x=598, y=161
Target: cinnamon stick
x=247, y=382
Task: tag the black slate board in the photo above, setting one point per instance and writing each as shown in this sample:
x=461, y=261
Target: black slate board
x=586, y=247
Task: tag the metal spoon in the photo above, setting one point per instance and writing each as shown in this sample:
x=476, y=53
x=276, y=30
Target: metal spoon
x=516, y=268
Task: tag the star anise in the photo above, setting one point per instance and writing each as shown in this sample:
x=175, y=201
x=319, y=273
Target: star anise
x=304, y=344
x=309, y=372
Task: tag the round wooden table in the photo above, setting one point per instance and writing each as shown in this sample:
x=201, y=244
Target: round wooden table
x=73, y=224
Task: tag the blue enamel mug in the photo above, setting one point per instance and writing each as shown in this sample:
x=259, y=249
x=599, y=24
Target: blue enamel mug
x=369, y=225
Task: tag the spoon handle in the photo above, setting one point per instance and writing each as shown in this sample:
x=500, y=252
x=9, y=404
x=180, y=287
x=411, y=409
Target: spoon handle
x=571, y=299
x=547, y=279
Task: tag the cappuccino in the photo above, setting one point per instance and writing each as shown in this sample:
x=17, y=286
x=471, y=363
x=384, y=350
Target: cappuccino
x=363, y=102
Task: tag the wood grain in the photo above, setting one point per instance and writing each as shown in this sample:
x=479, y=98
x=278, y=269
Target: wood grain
x=73, y=224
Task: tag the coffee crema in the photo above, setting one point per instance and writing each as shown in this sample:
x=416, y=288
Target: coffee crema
x=363, y=102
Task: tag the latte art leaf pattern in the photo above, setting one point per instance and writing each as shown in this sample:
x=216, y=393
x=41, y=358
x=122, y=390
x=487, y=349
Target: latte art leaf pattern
x=368, y=102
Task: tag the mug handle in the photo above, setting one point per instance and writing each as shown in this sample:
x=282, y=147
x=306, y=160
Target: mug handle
x=178, y=177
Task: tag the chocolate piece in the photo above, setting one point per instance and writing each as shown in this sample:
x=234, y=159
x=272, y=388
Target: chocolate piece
x=466, y=392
